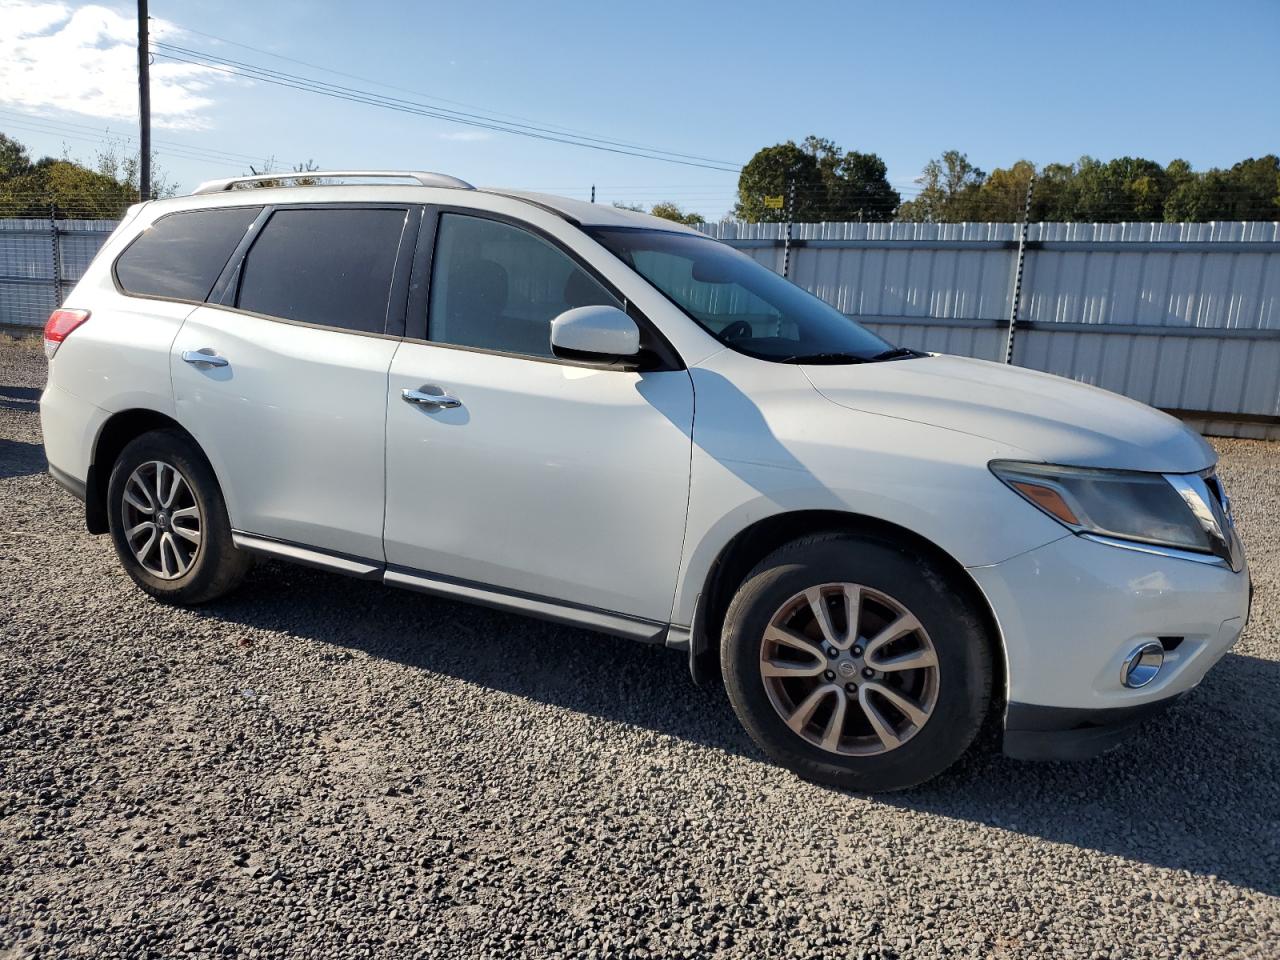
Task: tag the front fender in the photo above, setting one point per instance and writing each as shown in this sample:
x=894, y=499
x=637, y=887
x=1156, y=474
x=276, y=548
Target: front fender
x=770, y=448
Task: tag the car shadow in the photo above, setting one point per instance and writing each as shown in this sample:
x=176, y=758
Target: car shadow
x=1190, y=792
x=26, y=399
x=20, y=459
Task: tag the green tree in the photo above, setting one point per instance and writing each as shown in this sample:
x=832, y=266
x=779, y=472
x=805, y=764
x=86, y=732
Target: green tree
x=1255, y=184
x=114, y=161
x=829, y=183
x=1002, y=197
x=672, y=211
x=949, y=191
x=1250, y=190
x=68, y=188
x=857, y=184
x=14, y=160
x=1127, y=188
x=771, y=173
x=1054, y=196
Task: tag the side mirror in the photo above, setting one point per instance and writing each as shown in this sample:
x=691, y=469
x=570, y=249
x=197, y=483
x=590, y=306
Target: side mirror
x=596, y=334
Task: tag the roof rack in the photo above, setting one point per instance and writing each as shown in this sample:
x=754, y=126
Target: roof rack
x=425, y=179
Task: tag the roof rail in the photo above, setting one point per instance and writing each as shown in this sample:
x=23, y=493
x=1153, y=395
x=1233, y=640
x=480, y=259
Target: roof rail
x=425, y=179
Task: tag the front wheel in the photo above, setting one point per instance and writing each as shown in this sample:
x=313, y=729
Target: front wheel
x=169, y=523
x=855, y=663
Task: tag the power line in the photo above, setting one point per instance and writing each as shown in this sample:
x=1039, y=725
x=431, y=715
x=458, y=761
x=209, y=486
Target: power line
x=460, y=116
x=164, y=151
x=392, y=86
x=212, y=154
x=355, y=95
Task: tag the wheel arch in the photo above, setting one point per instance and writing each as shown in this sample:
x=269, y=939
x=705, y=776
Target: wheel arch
x=116, y=433
x=752, y=544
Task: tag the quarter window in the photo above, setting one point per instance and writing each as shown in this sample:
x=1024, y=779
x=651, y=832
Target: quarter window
x=180, y=256
x=328, y=267
x=498, y=287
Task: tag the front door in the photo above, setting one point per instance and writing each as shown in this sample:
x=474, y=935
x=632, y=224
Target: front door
x=548, y=480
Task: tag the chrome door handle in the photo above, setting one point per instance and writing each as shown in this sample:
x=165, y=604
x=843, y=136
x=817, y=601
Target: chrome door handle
x=435, y=401
x=204, y=358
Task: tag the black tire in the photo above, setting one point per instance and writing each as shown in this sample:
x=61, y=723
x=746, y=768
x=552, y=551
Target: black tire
x=216, y=566
x=962, y=681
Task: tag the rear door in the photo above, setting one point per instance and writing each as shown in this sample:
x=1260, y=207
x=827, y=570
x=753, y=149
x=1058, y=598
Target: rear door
x=549, y=480
x=283, y=380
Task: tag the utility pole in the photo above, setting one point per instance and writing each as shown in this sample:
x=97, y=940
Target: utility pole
x=144, y=105
x=593, y=193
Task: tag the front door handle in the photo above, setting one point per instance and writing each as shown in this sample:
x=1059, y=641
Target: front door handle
x=434, y=401
x=204, y=358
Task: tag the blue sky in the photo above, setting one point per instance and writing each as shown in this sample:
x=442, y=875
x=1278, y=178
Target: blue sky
x=1000, y=81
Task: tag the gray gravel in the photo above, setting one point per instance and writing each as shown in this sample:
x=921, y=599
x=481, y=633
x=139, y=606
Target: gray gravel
x=321, y=767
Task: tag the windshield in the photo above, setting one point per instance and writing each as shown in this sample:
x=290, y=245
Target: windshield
x=743, y=304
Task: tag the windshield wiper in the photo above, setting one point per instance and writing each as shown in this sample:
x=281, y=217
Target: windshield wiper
x=897, y=353
x=825, y=358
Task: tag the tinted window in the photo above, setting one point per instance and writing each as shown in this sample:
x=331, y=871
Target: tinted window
x=329, y=267
x=742, y=303
x=498, y=287
x=181, y=255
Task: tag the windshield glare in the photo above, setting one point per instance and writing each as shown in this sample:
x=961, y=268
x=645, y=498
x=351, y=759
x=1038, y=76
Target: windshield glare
x=741, y=303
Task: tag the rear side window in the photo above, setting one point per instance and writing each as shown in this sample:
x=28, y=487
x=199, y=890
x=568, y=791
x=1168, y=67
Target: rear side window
x=181, y=255
x=327, y=267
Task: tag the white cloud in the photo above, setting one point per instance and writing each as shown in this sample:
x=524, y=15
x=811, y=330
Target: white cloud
x=85, y=61
x=466, y=136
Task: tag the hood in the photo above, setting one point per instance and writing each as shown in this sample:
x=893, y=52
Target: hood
x=1054, y=419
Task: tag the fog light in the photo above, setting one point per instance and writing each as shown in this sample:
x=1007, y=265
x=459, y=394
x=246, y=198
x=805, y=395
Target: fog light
x=1142, y=665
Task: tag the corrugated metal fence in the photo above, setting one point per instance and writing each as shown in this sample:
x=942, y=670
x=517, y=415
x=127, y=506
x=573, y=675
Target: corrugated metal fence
x=1185, y=317
x=40, y=260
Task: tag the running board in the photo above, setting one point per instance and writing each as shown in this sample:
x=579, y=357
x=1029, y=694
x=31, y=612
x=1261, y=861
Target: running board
x=619, y=625
x=589, y=618
x=351, y=566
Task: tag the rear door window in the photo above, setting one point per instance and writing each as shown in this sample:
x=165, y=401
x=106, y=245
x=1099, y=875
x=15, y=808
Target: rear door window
x=179, y=257
x=330, y=267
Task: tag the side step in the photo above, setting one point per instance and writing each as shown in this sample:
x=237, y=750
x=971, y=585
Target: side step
x=543, y=608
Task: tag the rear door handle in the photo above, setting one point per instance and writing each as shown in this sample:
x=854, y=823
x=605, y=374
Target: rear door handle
x=434, y=401
x=204, y=358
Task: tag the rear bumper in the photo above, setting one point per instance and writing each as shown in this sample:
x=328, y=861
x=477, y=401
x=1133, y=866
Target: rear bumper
x=1035, y=732
x=68, y=483
x=70, y=428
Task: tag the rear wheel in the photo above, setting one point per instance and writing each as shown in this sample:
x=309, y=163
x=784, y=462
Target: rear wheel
x=169, y=523
x=856, y=664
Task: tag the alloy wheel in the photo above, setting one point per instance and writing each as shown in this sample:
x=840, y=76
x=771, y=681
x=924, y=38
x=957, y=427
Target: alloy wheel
x=162, y=522
x=849, y=669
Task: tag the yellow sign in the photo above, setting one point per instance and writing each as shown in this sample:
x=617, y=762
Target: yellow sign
x=773, y=203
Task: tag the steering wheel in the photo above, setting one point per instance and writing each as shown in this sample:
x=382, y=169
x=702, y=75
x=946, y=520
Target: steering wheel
x=738, y=330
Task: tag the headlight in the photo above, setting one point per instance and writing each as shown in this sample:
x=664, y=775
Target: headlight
x=1173, y=510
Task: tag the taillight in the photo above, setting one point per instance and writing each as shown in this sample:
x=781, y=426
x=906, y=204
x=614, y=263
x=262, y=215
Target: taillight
x=59, y=327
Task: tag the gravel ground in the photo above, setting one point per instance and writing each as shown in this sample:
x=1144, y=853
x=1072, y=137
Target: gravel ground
x=322, y=767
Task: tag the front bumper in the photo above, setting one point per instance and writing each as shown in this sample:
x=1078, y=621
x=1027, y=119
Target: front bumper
x=1069, y=612
x=1060, y=733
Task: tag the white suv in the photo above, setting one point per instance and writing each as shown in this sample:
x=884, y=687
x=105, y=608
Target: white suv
x=611, y=421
